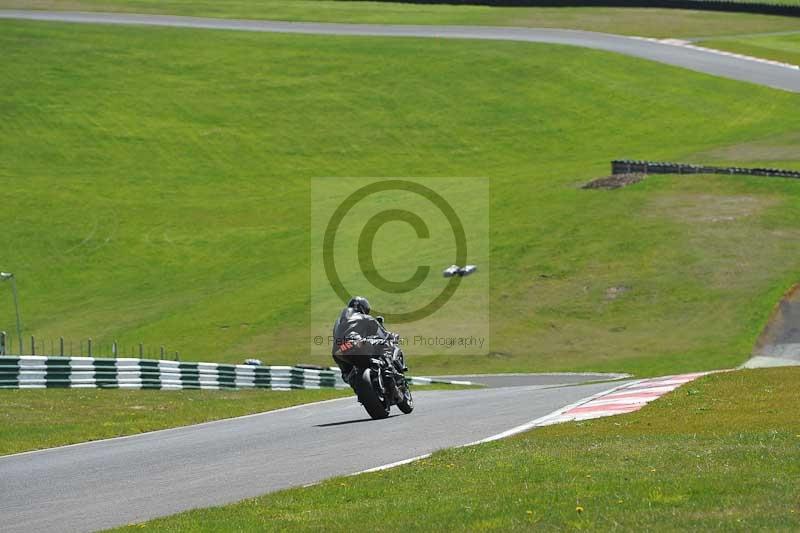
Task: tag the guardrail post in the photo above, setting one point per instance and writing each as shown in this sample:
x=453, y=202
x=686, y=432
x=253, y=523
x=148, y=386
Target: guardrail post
x=33, y=346
x=114, y=349
x=162, y=353
x=61, y=346
x=89, y=347
x=2, y=342
x=141, y=350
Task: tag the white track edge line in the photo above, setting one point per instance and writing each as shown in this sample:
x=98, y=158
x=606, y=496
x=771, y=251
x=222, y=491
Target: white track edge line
x=691, y=46
x=392, y=465
x=513, y=431
x=540, y=421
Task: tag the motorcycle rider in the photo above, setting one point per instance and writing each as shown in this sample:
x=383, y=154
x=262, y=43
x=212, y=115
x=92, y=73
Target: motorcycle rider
x=357, y=334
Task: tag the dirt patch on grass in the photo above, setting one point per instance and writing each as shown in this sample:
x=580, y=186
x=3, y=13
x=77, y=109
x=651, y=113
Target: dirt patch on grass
x=616, y=181
x=709, y=208
x=612, y=293
x=724, y=235
x=782, y=148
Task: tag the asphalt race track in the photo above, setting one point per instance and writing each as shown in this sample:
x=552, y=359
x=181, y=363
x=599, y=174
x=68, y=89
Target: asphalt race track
x=542, y=380
x=779, y=344
x=114, y=482
x=702, y=60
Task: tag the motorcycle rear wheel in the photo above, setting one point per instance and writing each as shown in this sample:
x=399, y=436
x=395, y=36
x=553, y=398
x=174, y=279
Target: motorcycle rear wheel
x=377, y=407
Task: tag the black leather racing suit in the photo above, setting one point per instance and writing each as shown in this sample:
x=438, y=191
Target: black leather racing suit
x=359, y=336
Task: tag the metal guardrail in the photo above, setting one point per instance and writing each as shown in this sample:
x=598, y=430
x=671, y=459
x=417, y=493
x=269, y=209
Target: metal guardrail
x=627, y=166
x=40, y=372
x=127, y=373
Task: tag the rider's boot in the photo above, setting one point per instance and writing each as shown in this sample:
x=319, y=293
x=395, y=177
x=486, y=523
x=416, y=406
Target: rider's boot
x=347, y=377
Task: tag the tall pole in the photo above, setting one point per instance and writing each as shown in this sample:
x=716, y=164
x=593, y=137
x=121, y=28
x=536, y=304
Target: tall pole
x=9, y=276
x=16, y=308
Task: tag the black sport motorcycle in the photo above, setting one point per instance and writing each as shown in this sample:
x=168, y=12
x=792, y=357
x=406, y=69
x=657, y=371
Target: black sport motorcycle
x=379, y=381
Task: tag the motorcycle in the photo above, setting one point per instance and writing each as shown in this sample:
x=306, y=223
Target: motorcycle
x=379, y=381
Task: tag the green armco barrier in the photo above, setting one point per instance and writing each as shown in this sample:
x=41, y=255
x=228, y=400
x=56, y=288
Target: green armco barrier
x=43, y=372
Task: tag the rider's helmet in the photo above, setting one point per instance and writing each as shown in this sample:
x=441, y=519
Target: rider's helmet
x=360, y=304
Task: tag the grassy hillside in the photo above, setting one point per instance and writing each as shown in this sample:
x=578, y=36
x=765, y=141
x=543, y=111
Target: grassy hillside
x=719, y=454
x=647, y=22
x=156, y=181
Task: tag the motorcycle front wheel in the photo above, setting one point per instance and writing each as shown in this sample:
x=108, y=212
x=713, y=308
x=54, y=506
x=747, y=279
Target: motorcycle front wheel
x=373, y=400
x=407, y=403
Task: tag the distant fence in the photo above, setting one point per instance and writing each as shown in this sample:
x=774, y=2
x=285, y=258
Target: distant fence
x=625, y=166
x=84, y=347
x=38, y=372
x=703, y=5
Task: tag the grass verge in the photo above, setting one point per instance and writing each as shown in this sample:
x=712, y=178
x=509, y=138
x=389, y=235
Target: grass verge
x=720, y=453
x=644, y=22
x=156, y=188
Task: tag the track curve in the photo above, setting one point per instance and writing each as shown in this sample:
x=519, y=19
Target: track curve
x=119, y=481
x=698, y=59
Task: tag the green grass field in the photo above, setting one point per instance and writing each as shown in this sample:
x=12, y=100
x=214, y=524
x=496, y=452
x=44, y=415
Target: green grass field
x=156, y=188
x=646, y=22
x=722, y=453
x=780, y=47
